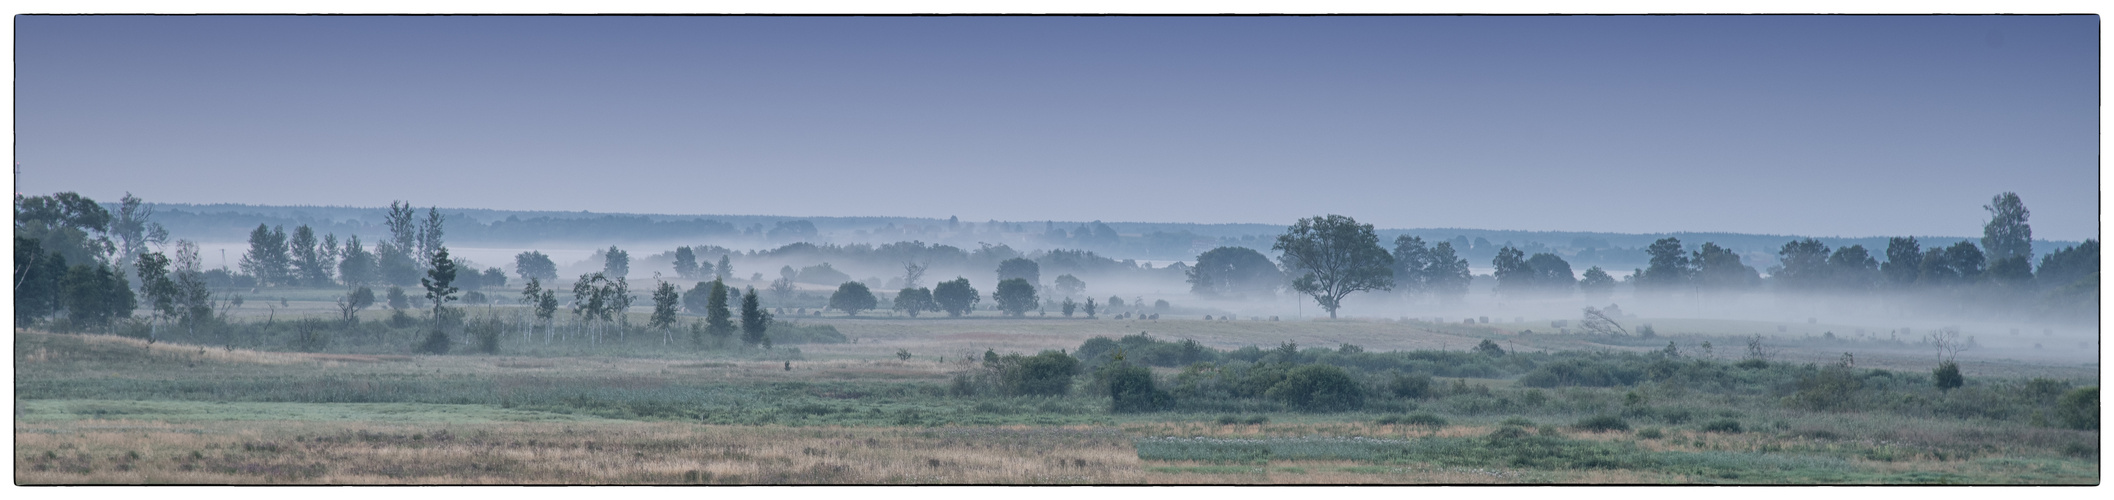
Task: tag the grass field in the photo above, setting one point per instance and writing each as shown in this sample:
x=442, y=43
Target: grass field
x=108, y=409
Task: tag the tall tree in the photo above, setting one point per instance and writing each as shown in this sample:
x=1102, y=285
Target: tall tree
x=725, y=268
x=1514, y=276
x=2007, y=235
x=664, y=299
x=1447, y=275
x=956, y=297
x=1852, y=269
x=619, y=292
x=1334, y=256
x=94, y=295
x=39, y=276
x=267, y=259
x=2068, y=265
x=912, y=301
x=1802, y=266
x=1234, y=273
x=616, y=263
x=852, y=297
x=403, y=229
x=685, y=262
x=194, y=301
x=158, y=291
x=719, y=318
x=439, y=281
x=71, y=225
x=1015, y=296
x=135, y=230
x=755, y=322
x=1719, y=269
x=1412, y=263
x=1904, y=260
x=429, y=236
x=1068, y=285
x=357, y=267
x=307, y=258
x=913, y=274
x=1669, y=270
x=1551, y=274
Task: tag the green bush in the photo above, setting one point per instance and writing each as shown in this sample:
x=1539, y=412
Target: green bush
x=1947, y=376
x=1409, y=386
x=436, y=343
x=1421, y=419
x=1131, y=390
x=1602, y=423
x=1228, y=420
x=1723, y=425
x=1256, y=420
x=2079, y=408
x=1651, y=433
x=1320, y=388
x=1046, y=374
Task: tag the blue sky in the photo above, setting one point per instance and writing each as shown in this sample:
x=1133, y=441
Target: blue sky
x=1826, y=126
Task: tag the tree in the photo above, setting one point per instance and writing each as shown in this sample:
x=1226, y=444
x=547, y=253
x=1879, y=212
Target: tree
x=852, y=297
x=194, y=301
x=135, y=231
x=1090, y=308
x=956, y=297
x=1068, y=285
x=1070, y=306
x=1514, y=276
x=439, y=281
x=403, y=232
x=1719, y=269
x=1412, y=261
x=719, y=318
x=357, y=267
x=2007, y=235
x=493, y=277
x=1234, y=273
x=1318, y=387
x=1015, y=296
x=1334, y=256
x=1447, y=275
x=1852, y=269
x=156, y=289
x=2067, y=265
x=350, y=304
x=429, y=236
x=267, y=259
x=38, y=275
x=1904, y=261
x=1597, y=285
x=67, y=224
x=664, y=299
x=782, y=288
x=694, y=300
x=913, y=274
x=685, y=262
x=398, y=300
x=619, y=292
x=310, y=269
x=754, y=320
x=616, y=263
x=1669, y=269
x=725, y=268
x=535, y=265
x=396, y=264
x=1802, y=266
x=93, y=295
x=1551, y=275
x=1020, y=268
x=912, y=301
x=1131, y=389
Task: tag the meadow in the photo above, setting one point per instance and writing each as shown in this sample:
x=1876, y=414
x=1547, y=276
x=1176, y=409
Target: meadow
x=932, y=401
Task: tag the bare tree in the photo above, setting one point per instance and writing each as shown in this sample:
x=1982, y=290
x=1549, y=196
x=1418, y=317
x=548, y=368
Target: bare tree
x=1946, y=341
x=1598, y=323
x=912, y=273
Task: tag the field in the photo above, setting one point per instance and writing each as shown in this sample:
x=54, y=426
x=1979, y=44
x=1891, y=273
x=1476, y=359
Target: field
x=916, y=402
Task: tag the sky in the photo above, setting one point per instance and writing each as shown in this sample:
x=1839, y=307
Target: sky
x=1798, y=125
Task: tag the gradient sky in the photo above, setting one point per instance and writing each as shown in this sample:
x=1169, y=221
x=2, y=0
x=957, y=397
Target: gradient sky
x=1823, y=126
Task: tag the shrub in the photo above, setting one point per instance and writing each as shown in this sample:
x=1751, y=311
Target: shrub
x=1256, y=420
x=1517, y=422
x=1130, y=389
x=1651, y=433
x=2079, y=408
x=1947, y=376
x=1423, y=419
x=1602, y=423
x=1723, y=425
x=436, y=342
x=1318, y=388
x=1228, y=420
x=1410, y=386
x=1046, y=374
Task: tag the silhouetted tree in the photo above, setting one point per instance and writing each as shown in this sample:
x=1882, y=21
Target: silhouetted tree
x=1904, y=261
x=1719, y=269
x=1020, y=268
x=535, y=265
x=1802, y=266
x=616, y=263
x=1015, y=296
x=912, y=301
x=1447, y=275
x=2007, y=235
x=267, y=259
x=685, y=262
x=956, y=297
x=1334, y=256
x=1068, y=285
x=755, y=322
x=1234, y=272
x=1669, y=270
x=852, y=297
x=1597, y=285
x=357, y=267
x=664, y=301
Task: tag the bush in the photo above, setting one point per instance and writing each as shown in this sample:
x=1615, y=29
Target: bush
x=1256, y=420
x=1423, y=419
x=1228, y=420
x=1947, y=376
x=1046, y=374
x=2079, y=408
x=1320, y=388
x=1602, y=423
x=1723, y=425
x=1131, y=390
x=436, y=343
x=1410, y=386
x=1651, y=433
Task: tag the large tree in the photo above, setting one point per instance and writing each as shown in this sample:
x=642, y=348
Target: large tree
x=1904, y=261
x=307, y=258
x=912, y=301
x=1669, y=269
x=956, y=297
x=685, y=263
x=94, y=295
x=1447, y=275
x=134, y=230
x=1234, y=273
x=719, y=317
x=664, y=302
x=1015, y=296
x=2068, y=265
x=1596, y=285
x=616, y=263
x=268, y=259
x=1068, y=285
x=1412, y=263
x=1514, y=276
x=356, y=267
x=1334, y=256
x=1551, y=274
x=535, y=265
x=1802, y=266
x=1020, y=268
x=852, y=297
x=2007, y=235
x=755, y=322
x=429, y=236
x=1719, y=269
x=1852, y=269
x=439, y=281
x=68, y=224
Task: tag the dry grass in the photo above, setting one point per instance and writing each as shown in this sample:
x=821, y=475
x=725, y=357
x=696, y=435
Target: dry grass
x=133, y=452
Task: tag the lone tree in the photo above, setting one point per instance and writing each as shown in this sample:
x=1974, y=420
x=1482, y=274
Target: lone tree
x=1333, y=256
x=1015, y=296
x=664, y=300
x=438, y=290
x=912, y=301
x=719, y=319
x=956, y=297
x=852, y=297
x=755, y=322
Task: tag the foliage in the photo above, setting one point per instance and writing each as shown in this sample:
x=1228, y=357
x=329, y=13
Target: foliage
x=1334, y=256
x=438, y=280
x=1235, y=273
x=821, y=274
x=1015, y=296
x=956, y=297
x=755, y=322
x=267, y=258
x=1602, y=423
x=852, y=297
x=2079, y=409
x=1596, y=285
x=535, y=265
x=1021, y=269
x=2007, y=235
x=1046, y=374
x=912, y=301
x=1131, y=389
x=664, y=303
x=1320, y=388
x=1068, y=285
